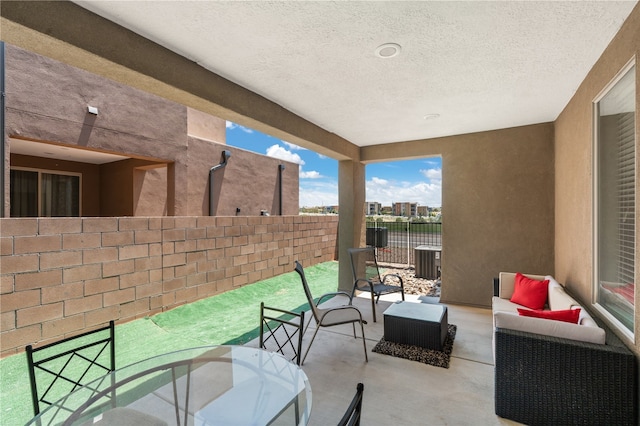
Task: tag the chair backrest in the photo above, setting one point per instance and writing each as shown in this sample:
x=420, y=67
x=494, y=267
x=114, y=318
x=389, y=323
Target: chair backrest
x=58, y=368
x=364, y=264
x=352, y=416
x=282, y=331
x=314, y=310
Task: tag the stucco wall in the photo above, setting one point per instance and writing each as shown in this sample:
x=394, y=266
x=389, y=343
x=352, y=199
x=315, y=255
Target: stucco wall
x=47, y=101
x=150, y=192
x=497, y=203
x=574, y=167
x=497, y=191
x=59, y=276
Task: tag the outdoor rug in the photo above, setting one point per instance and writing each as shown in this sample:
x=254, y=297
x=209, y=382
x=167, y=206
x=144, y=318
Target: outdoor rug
x=416, y=353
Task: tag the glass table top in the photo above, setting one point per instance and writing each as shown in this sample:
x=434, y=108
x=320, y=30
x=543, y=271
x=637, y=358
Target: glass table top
x=221, y=385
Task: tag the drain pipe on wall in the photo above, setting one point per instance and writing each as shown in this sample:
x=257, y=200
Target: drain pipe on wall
x=2, y=131
x=225, y=156
x=280, y=169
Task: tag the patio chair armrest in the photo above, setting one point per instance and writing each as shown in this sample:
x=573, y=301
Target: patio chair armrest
x=393, y=275
x=342, y=308
x=335, y=293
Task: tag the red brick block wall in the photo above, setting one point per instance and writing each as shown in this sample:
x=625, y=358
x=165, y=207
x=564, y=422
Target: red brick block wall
x=59, y=276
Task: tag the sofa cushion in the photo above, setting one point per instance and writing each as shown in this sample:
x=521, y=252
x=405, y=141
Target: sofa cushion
x=507, y=281
x=529, y=292
x=560, y=300
x=552, y=282
x=566, y=315
x=503, y=305
x=545, y=327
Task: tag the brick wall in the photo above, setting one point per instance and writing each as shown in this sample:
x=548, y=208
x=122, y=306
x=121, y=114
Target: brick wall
x=59, y=276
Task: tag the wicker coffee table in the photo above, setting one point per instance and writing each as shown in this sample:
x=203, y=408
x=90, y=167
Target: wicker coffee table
x=417, y=324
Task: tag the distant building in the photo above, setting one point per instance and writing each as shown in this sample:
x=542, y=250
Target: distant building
x=373, y=208
x=405, y=209
x=423, y=210
x=331, y=209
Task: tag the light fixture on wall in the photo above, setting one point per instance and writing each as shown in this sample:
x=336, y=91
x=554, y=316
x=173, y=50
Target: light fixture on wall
x=92, y=110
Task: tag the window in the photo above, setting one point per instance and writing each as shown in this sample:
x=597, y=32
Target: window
x=615, y=198
x=43, y=193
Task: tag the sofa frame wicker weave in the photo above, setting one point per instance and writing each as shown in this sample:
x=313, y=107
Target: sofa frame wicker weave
x=544, y=380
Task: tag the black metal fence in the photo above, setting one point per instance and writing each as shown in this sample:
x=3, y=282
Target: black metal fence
x=396, y=241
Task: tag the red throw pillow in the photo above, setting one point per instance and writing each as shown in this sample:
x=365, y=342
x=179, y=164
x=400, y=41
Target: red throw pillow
x=566, y=315
x=530, y=293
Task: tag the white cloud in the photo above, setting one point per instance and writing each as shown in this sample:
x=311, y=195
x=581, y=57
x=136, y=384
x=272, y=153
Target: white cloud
x=321, y=193
x=293, y=147
x=231, y=125
x=433, y=162
x=318, y=193
x=379, y=181
x=432, y=173
x=276, y=151
x=322, y=157
x=325, y=193
x=310, y=175
x=388, y=192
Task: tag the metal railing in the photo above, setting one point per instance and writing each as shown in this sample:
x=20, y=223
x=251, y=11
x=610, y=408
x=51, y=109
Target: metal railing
x=396, y=241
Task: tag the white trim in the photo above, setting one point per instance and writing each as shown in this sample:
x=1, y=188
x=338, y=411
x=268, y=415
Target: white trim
x=615, y=322
x=615, y=80
x=630, y=334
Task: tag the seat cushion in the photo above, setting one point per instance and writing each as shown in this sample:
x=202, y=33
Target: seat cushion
x=549, y=328
x=339, y=315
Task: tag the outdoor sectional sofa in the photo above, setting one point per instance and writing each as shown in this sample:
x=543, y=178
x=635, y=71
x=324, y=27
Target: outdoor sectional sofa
x=553, y=372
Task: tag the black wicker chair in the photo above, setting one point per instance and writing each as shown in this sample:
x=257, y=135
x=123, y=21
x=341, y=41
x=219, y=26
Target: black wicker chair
x=543, y=380
x=352, y=416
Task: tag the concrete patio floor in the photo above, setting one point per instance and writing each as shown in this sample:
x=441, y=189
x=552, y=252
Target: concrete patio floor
x=398, y=391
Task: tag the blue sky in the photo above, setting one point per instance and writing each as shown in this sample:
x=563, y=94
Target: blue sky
x=398, y=181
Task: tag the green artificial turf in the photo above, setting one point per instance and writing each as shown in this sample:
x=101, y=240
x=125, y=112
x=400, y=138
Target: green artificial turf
x=229, y=318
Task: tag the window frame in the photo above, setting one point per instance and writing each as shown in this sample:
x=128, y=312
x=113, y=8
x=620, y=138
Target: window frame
x=52, y=172
x=596, y=199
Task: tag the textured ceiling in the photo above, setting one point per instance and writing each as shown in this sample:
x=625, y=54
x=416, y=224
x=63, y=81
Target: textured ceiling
x=478, y=65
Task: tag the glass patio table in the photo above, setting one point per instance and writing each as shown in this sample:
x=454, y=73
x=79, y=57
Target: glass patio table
x=214, y=385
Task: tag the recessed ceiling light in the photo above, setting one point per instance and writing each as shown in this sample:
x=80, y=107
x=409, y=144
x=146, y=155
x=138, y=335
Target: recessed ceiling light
x=431, y=116
x=388, y=50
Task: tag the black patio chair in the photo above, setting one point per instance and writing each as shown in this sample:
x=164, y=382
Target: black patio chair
x=63, y=366
x=366, y=276
x=281, y=331
x=352, y=416
x=329, y=317
x=59, y=368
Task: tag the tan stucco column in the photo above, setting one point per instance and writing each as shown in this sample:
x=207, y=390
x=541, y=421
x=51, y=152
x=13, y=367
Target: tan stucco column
x=351, y=196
